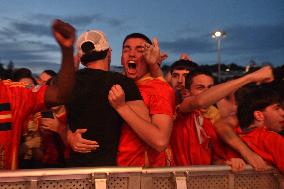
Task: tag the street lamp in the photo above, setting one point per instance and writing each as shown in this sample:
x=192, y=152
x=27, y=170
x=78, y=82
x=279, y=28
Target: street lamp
x=218, y=35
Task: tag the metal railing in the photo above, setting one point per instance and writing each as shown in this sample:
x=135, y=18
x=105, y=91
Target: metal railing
x=193, y=177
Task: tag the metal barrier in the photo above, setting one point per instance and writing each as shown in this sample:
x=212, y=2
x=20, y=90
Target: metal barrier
x=193, y=177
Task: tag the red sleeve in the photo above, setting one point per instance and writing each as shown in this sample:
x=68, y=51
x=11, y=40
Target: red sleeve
x=163, y=101
x=34, y=100
x=268, y=144
x=180, y=141
x=23, y=102
x=274, y=144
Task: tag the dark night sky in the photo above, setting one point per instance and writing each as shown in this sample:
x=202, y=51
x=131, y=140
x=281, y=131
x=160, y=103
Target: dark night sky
x=255, y=29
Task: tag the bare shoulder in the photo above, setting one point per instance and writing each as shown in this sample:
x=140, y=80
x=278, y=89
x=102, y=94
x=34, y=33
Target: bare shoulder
x=230, y=120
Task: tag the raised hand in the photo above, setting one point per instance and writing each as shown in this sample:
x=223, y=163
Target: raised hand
x=184, y=56
x=163, y=56
x=64, y=33
x=263, y=75
x=151, y=53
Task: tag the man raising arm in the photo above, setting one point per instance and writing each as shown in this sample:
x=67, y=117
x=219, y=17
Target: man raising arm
x=17, y=102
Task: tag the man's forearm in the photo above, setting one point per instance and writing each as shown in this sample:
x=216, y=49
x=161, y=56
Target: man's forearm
x=226, y=133
x=212, y=95
x=155, y=70
x=151, y=134
x=59, y=91
x=66, y=76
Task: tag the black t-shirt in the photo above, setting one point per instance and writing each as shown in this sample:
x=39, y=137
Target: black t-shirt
x=89, y=108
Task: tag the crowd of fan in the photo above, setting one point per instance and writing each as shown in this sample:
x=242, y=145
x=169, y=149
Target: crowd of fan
x=141, y=117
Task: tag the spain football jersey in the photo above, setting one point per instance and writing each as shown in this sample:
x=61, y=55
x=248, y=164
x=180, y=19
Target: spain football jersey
x=16, y=103
x=158, y=97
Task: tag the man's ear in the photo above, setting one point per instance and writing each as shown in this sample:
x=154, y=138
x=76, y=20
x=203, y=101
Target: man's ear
x=258, y=115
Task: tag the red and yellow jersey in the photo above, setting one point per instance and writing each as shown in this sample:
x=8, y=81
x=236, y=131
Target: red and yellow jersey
x=159, y=98
x=16, y=104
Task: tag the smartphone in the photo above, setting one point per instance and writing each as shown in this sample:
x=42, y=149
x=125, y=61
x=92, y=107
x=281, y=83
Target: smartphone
x=47, y=114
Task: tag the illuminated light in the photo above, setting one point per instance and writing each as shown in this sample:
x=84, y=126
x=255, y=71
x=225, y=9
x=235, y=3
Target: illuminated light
x=218, y=35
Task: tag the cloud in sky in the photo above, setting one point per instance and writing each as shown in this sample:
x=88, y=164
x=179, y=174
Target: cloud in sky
x=259, y=41
x=259, y=37
x=189, y=44
x=27, y=43
x=81, y=20
x=28, y=39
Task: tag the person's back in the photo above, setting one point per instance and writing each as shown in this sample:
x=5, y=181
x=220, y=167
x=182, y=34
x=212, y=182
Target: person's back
x=89, y=107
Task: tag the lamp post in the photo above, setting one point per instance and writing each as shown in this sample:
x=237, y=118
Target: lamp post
x=218, y=35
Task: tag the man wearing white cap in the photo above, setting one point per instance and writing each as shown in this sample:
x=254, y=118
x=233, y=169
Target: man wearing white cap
x=93, y=121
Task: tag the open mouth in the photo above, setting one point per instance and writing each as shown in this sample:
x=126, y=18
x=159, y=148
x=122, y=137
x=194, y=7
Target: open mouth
x=131, y=66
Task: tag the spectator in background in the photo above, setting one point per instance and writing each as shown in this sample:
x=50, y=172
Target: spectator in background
x=44, y=143
x=17, y=102
x=45, y=76
x=24, y=75
x=166, y=73
x=261, y=117
x=227, y=127
x=2, y=72
x=179, y=70
x=196, y=150
x=197, y=82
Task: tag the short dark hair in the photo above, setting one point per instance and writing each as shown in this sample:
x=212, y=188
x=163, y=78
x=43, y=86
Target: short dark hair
x=22, y=73
x=243, y=91
x=93, y=56
x=50, y=73
x=137, y=35
x=183, y=65
x=256, y=99
x=194, y=73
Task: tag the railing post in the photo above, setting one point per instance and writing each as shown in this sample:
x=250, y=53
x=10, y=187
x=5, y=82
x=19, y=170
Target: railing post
x=99, y=181
x=231, y=181
x=146, y=181
x=33, y=184
x=181, y=183
x=280, y=179
x=134, y=182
